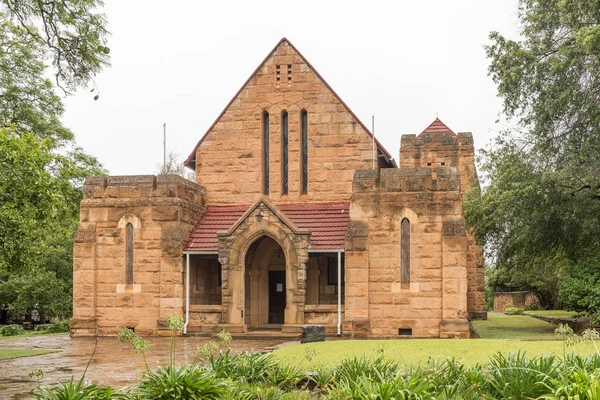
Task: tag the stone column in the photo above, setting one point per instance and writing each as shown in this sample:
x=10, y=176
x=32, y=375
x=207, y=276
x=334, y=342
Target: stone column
x=312, y=282
x=83, y=322
x=356, y=312
x=296, y=285
x=454, y=279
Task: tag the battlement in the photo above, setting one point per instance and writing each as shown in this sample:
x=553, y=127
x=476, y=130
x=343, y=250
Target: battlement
x=437, y=139
x=440, y=179
x=143, y=186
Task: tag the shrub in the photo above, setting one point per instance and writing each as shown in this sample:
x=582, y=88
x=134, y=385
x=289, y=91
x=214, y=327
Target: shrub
x=514, y=311
x=12, y=330
x=78, y=390
x=353, y=368
x=185, y=382
x=285, y=377
x=517, y=377
x=250, y=367
x=579, y=289
x=59, y=326
x=535, y=305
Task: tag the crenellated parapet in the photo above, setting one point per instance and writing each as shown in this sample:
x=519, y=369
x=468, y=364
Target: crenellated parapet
x=440, y=179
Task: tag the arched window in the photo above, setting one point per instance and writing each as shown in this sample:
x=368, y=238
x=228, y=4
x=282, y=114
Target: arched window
x=304, y=156
x=284, y=152
x=405, y=252
x=129, y=253
x=265, y=140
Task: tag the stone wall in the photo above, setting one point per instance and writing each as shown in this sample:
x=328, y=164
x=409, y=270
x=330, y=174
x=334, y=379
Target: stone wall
x=229, y=159
x=162, y=211
x=433, y=150
x=502, y=300
x=434, y=304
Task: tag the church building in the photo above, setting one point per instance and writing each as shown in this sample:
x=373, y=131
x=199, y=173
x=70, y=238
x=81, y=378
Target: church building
x=298, y=215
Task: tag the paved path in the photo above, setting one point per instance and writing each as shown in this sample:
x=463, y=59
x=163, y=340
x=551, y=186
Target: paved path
x=114, y=364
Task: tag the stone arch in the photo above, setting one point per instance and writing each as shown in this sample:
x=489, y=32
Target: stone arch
x=261, y=221
x=129, y=218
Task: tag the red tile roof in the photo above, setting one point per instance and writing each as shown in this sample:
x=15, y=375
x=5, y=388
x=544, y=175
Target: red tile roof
x=438, y=126
x=327, y=223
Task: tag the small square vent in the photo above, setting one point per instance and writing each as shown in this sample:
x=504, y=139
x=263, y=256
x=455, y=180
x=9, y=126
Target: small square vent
x=404, y=331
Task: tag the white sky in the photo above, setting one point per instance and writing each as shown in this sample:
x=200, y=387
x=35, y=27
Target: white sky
x=180, y=62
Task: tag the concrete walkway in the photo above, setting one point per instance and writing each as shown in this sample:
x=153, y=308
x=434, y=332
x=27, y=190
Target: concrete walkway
x=114, y=364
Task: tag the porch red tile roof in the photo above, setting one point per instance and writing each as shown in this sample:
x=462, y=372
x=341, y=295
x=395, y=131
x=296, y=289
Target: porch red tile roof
x=327, y=223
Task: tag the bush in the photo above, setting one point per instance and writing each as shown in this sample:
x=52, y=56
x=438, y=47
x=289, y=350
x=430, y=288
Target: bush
x=185, y=382
x=59, y=326
x=514, y=311
x=12, y=330
x=579, y=290
x=78, y=390
x=533, y=306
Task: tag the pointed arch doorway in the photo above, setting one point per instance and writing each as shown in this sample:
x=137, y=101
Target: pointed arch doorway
x=265, y=285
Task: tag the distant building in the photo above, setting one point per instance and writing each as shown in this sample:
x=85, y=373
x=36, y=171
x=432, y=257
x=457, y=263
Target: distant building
x=295, y=208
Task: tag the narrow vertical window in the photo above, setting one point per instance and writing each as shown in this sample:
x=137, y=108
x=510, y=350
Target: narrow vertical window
x=405, y=252
x=265, y=152
x=304, y=157
x=129, y=254
x=284, y=152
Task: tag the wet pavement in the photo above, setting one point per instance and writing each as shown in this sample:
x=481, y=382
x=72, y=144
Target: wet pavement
x=114, y=364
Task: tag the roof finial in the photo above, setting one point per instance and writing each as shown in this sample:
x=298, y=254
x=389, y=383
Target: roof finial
x=437, y=115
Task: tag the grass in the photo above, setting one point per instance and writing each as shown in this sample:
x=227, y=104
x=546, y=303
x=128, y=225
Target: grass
x=32, y=333
x=500, y=333
x=5, y=354
x=411, y=352
x=516, y=327
x=552, y=313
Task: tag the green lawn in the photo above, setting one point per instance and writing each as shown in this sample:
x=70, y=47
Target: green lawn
x=521, y=327
x=552, y=313
x=413, y=351
x=500, y=333
x=16, y=353
x=33, y=333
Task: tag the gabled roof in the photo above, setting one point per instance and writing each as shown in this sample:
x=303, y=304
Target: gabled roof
x=437, y=126
x=326, y=222
x=273, y=208
x=191, y=160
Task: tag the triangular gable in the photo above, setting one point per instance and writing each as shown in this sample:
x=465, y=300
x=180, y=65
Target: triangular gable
x=437, y=127
x=274, y=209
x=191, y=160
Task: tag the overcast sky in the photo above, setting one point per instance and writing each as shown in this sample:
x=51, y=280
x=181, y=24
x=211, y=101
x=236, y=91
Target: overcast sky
x=180, y=62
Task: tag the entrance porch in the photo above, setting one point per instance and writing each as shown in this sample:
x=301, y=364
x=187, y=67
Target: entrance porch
x=264, y=278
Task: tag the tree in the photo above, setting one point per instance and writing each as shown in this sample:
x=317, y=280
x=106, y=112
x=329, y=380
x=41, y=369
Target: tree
x=41, y=167
x=550, y=83
x=174, y=166
x=71, y=31
x=539, y=212
x=40, y=290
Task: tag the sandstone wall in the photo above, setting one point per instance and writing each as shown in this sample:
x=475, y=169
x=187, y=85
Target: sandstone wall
x=162, y=211
x=435, y=302
x=502, y=300
x=433, y=150
x=229, y=160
